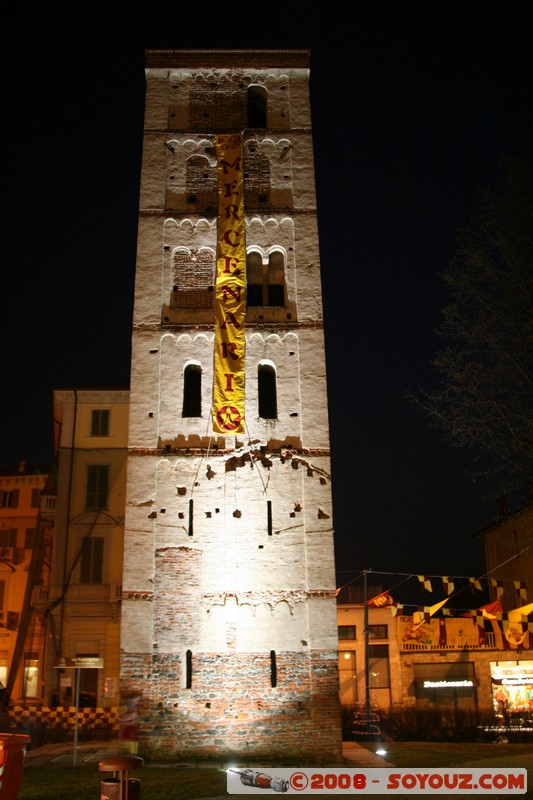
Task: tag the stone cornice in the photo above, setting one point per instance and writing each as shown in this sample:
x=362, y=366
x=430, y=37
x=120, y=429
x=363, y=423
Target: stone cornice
x=227, y=58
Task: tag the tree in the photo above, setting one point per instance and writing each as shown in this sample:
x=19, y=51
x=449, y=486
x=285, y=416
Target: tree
x=485, y=395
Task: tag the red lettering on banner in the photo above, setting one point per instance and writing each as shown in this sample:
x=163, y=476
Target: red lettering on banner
x=234, y=293
x=232, y=319
x=231, y=189
x=231, y=211
x=230, y=262
x=229, y=381
x=227, y=240
x=229, y=350
x=226, y=165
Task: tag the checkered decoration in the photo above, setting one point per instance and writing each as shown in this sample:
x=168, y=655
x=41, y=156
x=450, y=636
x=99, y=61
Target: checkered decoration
x=65, y=717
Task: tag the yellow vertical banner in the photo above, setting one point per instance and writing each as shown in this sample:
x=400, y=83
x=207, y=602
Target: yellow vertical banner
x=230, y=289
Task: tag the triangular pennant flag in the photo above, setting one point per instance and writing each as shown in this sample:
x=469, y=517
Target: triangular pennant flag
x=475, y=584
x=498, y=585
x=521, y=588
x=448, y=584
x=420, y=616
x=427, y=613
x=425, y=583
x=490, y=610
x=522, y=611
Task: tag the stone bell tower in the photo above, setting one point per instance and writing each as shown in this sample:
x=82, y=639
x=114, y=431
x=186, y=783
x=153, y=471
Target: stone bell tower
x=229, y=630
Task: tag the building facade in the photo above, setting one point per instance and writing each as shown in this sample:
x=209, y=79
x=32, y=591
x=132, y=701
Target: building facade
x=26, y=520
x=228, y=603
x=447, y=663
x=80, y=607
x=508, y=547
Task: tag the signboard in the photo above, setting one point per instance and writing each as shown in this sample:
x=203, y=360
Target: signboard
x=81, y=662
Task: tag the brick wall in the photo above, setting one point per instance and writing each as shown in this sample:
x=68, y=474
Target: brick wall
x=231, y=707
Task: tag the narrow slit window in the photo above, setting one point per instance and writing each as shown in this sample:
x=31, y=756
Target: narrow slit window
x=273, y=669
x=188, y=669
x=191, y=510
x=269, y=517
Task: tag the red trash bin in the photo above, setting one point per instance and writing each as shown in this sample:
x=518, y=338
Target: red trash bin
x=12, y=751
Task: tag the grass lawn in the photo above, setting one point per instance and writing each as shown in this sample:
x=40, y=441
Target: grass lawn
x=62, y=782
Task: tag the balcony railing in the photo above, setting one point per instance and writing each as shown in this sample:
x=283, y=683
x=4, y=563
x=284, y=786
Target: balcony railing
x=489, y=643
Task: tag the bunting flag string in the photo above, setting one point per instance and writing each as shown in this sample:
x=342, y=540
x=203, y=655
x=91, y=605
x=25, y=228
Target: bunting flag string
x=521, y=588
x=448, y=584
x=385, y=598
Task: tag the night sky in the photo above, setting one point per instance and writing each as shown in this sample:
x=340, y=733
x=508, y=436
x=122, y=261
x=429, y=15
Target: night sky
x=413, y=106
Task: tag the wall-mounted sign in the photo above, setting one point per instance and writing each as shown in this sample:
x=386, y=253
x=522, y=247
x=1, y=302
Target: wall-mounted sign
x=81, y=662
x=446, y=684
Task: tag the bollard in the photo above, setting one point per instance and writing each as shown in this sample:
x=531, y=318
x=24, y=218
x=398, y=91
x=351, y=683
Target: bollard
x=110, y=789
x=12, y=751
x=120, y=786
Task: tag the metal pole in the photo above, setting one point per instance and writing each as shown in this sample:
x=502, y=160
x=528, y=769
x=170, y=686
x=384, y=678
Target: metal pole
x=367, y=662
x=78, y=670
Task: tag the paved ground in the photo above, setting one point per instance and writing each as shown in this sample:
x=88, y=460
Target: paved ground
x=91, y=753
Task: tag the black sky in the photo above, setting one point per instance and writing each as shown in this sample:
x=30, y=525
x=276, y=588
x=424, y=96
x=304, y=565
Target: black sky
x=413, y=106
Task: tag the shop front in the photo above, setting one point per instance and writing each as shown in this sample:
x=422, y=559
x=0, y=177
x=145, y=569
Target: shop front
x=439, y=686
x=512, y=692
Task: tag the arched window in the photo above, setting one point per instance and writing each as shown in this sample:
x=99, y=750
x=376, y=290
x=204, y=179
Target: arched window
x=193, y=277
x=256, y=174
x=257, y=107
x=267, y=393
x=200, y=182
x=265, y=283
x=254, y=279
x=192, y=391
x=276, y=279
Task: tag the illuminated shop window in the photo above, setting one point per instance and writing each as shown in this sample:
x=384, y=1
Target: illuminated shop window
x=378, y=662
x=31, y=675
x=347, y=677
